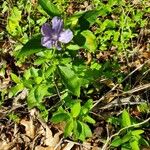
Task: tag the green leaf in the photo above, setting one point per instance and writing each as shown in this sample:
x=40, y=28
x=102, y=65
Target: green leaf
x=49, y=71
x=31, y=47
x=49, y=7
x=40, y=92
x=126, y=121
x=84, y=131
x=70, y=79
x=87, y=40
x=27, y=74
x=69, y=127
x=15, y=78
x=14, y=90
x=59, y=117
x=43, y=112
x=88, y=19
x=75, y=110
x=137, y=132
x=135, y=145
x=116, y=142
x=73, y=47
x=126, y=137
x=89, y=119
x=76, y=133
x=13, y=22
x=87, y=130
x=31, y=100
x=87, y=106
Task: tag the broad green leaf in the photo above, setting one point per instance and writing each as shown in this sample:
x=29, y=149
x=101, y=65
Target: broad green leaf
x=59, y=117
x=69, y=127
x=73, y=47
x=87, y=40
x=14, y=90
x=125, y=119
x=125, y=146
x=75, y=110
x=137, y=132
x=70, y=79
x=87, y=106
x=40, y=92
x=38, y=80
x=15, y=78
x=126, y=137
x=49, y=71
x=88, y=18
x=49, y=7
x=76, y=132
x=81, y=131
x=116, y=142
x=28, y=83
x=31, y=47
x=135, y=145
x=85, y=131
x=89, y=119
x=34, y=72
x=31, y=100
x=27, y=74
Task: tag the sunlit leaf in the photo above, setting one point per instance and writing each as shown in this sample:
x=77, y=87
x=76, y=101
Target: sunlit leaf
x=87, y=40
x=126, y=121
x=69, y=128
x=59, y=117
x=49, y=7
x=70, y=79
x=75, y=110
x=31, y=47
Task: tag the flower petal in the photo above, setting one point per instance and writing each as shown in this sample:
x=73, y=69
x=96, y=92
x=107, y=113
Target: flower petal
x=46, y=42
x=66, y=36
x=46, y=29
x=57, y=24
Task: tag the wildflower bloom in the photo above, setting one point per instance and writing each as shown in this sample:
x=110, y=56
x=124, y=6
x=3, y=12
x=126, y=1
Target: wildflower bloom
x=55, y=34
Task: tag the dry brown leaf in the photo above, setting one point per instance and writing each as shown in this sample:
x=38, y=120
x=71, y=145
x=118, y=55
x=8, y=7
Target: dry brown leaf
x=136, y=2
x=43, y=148
x=50, y=140
x=69, y=146
x=108, y=82
x=87, y=146
x=29, y=127
x=6, y=146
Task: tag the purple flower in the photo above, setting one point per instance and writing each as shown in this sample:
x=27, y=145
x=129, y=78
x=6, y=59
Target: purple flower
x=54, y=35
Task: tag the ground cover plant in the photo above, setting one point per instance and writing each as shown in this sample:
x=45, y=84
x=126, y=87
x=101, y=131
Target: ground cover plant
x=75, y=74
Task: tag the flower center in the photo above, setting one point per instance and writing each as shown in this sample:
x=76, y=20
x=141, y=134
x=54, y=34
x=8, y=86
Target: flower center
x=55, y=37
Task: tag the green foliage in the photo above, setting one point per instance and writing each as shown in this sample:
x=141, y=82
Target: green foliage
x=125, y=119
x=31, y=47
x=130, y=138
x=88, y=19
x=76, y=119
x=49, y=7
x=14, y=19
x=70, y=79
x=50, y=73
